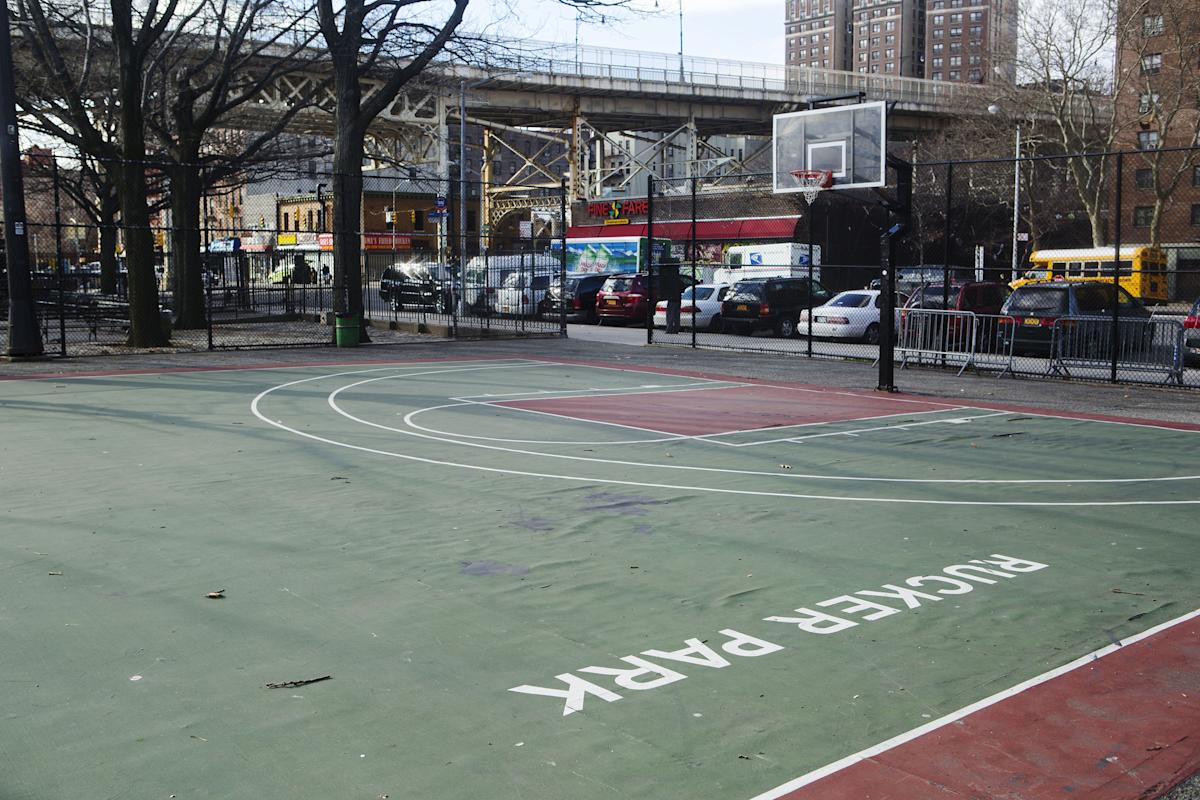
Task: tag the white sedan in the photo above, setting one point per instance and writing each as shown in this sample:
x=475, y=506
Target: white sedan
x=849, y=315
x=706, y=309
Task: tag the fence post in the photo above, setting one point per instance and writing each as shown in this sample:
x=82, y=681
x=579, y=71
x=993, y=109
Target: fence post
x=946, y=249
x=808, y=338
x=649, y=259
x=562, y=263
x=208, y=314
x=695, y=301
x=58, y=256
x=1116, y=283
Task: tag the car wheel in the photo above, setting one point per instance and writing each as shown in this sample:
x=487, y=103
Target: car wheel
x=716, y=324
x=439, y=304
x=871, y=336
x=785, y=328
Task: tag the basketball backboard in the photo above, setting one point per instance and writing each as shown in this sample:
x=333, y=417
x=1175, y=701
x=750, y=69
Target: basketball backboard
x=849, y=141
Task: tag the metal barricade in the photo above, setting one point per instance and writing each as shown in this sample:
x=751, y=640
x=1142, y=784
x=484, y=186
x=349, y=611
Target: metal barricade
x=1085, y=345
x=929, y=336
x=993, y=343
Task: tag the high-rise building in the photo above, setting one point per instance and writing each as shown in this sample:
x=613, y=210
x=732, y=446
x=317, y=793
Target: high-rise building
x=950, y=40
x=817, y=33
x=971, y=41
x=889, y=37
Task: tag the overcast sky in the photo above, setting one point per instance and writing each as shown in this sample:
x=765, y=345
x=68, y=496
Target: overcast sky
x=744, y=30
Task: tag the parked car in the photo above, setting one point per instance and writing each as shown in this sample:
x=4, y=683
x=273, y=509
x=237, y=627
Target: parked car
x=422, y=285
x=523, y=289
x=1191, y=330
x=984, y=297
x=700, y=303
x=484, y=275
x=849, y=315
x=579, y=290
x=626, y=297
x=1035, y=307
x=770, y=304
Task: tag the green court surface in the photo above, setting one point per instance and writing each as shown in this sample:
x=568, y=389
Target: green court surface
x=542, y=580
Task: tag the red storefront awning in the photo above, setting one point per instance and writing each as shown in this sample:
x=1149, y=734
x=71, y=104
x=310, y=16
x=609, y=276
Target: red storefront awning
x=706, y=230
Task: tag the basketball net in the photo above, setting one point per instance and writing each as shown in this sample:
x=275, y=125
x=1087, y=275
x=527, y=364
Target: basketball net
x=812, y=181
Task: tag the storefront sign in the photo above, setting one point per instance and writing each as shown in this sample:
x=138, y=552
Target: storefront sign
x=619, y=209
x=386, y=241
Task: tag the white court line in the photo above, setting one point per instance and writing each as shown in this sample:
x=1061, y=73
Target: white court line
x=554, y=394
x=254, y=408
x=901, y=427
x=777, y=428
x=896, y=741
x=332, y=402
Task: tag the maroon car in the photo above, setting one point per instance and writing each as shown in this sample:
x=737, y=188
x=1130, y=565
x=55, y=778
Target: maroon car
x=630, y=297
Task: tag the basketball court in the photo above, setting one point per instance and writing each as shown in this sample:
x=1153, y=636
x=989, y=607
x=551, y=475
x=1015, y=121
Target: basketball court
x=544, y=579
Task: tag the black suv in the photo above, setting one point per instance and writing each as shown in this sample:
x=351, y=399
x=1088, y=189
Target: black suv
x=429, y=287
x=579, y=291
x=770, y=304
x=1032, y=309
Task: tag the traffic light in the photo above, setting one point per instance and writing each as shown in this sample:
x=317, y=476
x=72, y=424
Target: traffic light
x=412, y=218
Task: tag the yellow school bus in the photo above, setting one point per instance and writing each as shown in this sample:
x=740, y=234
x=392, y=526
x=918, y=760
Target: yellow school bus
x=1143, y=269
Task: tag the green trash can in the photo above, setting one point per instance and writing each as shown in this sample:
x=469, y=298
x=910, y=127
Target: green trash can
x=346, y=330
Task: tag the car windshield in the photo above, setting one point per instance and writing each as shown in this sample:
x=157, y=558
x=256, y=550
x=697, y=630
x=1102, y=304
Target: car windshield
x=700, y=292
x=621, y=284
x=851, y=300
x=931, y=297
x=1044, y=301
x=745, y=293
x=516, y=280
x=1195, y=312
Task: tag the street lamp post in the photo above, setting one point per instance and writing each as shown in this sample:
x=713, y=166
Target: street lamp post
x=995, y=109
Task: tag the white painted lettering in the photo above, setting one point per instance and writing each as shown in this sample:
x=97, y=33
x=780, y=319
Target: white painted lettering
x=957, y=571
x=921, y=580
x=815, y=621
x=740, y=644
x=573, y=695
x=1010, y=563
x=696, y=652
x=908, y=596
x=629, y=678
x=856, y=605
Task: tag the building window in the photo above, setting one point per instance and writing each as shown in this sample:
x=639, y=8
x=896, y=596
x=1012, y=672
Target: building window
x=938, y=62
x=889, y=53
x=976, y=31
x=938, y=47
x=874, y=55
x=1143, y=216
x=1147, y=140
x=937, y=76
x=956, y=61
x=956, y=18
x=955, y=75
x=939, y=19
x=862, y=56
x=956, y=31
x=938, y=33
x=285, y=220
x=1152, y=25
x=956, y=47
x=889, y=40
x=1195, y=176
x=310, y=220
x=1152, y=64
x=890, y=25
x=976, y=16
x=1148, y=102
x=975, y=76
x=1196, y=213
x=1143, y=178
x=889, y=67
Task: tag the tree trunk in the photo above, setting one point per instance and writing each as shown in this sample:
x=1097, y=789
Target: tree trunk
x=145, y=324
x=347, y=194
x=187, y=285
x=108, y=241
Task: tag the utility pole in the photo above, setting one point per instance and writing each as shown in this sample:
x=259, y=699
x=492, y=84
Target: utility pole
x=24, y=338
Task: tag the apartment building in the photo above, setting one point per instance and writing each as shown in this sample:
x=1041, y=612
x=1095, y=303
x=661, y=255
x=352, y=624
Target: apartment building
x=818, y=34
x=972, y=41
x=968, y=41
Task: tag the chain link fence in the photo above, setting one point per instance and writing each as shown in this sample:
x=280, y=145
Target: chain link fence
x=1096, y=276
x=258, y=266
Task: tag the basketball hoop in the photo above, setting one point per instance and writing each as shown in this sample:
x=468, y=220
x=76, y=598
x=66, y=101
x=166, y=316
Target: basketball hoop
x=812, y=181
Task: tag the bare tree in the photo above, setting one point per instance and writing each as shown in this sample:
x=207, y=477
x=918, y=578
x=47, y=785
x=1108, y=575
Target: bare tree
x=1065, y=86
x=229, y=54
x=67, y=46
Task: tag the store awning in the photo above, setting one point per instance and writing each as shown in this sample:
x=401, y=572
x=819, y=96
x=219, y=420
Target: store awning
x=706, y=230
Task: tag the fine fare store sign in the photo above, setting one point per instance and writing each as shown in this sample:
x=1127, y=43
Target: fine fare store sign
x=618, y=212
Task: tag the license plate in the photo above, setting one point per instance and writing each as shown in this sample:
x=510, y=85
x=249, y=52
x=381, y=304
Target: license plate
x=743, y=308
x=1032, y=322
x=610, y=301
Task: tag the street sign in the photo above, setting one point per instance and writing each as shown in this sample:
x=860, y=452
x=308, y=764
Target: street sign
x=979, y=262
x=1022, y=237
x=440, y=202
x=436, y=216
